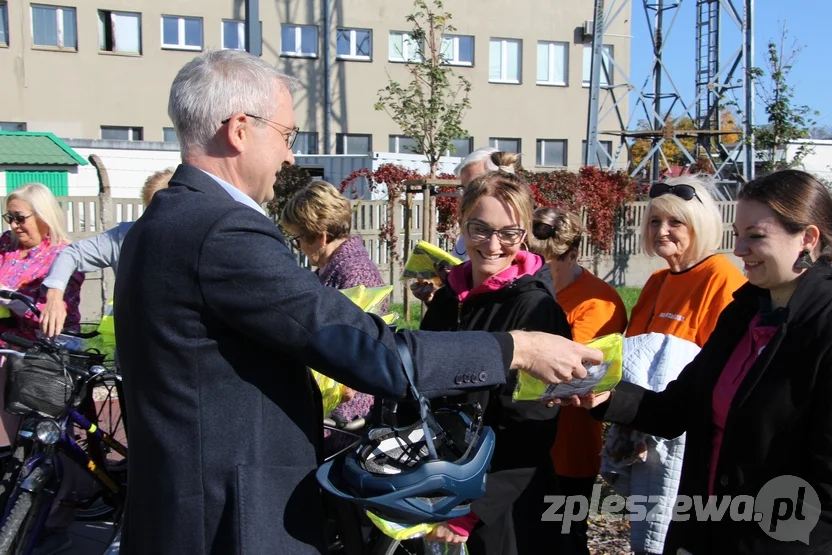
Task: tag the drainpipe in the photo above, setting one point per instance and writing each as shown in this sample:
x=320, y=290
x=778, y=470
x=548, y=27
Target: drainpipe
x=327, y=79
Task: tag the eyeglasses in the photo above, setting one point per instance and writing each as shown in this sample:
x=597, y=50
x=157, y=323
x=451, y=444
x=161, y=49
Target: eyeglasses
x=508, y=235
x=684, y=192
x=290, y=136
x=17, y=218
x=295, y=242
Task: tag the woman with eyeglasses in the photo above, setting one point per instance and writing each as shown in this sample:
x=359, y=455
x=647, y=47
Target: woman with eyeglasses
x=502, y=287
x=37, y=233
x=319, y=219
x=755, y=403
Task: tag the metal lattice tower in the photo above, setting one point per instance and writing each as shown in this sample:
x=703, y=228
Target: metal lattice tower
x=661, y=104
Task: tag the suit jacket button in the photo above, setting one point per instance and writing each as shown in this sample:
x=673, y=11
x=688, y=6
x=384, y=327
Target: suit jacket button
x=723, y=480
x=466, y=378
x=482, y=376
x=458, y=379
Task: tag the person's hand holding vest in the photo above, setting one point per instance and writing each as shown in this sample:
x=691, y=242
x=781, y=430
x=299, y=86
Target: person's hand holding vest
x=551, y=358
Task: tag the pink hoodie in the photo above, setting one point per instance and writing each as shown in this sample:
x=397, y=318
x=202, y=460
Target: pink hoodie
x=525, y=264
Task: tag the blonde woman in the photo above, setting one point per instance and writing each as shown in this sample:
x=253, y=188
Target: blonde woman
x=502, y=287
x=593, y=309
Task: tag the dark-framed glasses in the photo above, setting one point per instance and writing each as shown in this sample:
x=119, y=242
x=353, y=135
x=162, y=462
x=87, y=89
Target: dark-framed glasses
x=291, y=133
x=295, y=242
x=17, y=218
x=684, y=192
x=508, y=236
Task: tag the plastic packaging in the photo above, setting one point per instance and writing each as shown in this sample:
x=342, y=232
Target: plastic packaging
x=368, y=299
x=600, y=378
x=422, y=262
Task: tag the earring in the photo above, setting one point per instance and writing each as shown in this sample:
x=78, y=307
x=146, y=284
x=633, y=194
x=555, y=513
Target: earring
x=804, y=261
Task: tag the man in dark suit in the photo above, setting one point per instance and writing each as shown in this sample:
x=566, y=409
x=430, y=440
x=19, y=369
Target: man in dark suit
x=216, y=325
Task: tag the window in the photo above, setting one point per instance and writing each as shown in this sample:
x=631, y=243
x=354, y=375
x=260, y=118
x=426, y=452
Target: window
x=4, y=25
x=504, y=61
x=169, y=135
x=551, y=152
x=606, y=159
x=353, y=44
x=458, y=50
x=119, y=32
x=306, y=143
x=12, y=126
x=183, y=33
x=351, y=143
x=462, y=147
x=403, y=145
x=299, y=40
x=506, y=145
x=403, y=48
x=54, y=27
x=606, y=76
x=233, y=34
x=552, y=63
x=111, y=133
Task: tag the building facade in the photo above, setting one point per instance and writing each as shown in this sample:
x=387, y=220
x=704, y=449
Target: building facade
x=102, y=70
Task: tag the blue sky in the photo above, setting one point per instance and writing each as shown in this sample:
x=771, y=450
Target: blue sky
x=808, y=22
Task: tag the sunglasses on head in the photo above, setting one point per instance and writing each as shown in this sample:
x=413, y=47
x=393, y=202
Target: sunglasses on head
x=18, y=218
x=684, y=192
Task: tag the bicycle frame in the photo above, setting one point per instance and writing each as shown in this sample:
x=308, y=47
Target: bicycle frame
x=42, y=472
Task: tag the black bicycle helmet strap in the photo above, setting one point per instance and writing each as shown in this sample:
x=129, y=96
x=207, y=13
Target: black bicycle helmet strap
x=428, y=421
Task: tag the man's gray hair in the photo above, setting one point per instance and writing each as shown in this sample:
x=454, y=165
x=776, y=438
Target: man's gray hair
x=482, y=154
x=216, y=85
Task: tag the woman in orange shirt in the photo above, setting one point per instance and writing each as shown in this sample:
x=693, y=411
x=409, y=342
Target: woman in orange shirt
x=683, y=226
x=593, y=309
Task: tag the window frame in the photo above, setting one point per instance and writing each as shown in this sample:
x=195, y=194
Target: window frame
x=299, y=41
x=397, y=139
x=180, y=35
x=241, y=33
x=550, y=44
x=457, y=154
x=4, y=24
x=340, y=143
x=164, y=139
x=584, y=153
x=541, y=163
x=455, y=61
x=503, y=61
x=312, y=134
x=60, y=28
x=496, y=142
x=610, y=68
x=403, y=59
x=139, y=33
x=354, y=45
x=22, y=126
x=131, y=130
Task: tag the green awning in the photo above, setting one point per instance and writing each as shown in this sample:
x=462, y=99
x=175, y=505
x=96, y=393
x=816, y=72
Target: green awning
x=34, y=148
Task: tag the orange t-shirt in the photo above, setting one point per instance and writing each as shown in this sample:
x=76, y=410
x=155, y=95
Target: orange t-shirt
x=686, y=304
x=593, y=309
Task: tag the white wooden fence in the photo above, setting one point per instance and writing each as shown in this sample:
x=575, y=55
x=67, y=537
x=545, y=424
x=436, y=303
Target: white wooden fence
x=626, y=264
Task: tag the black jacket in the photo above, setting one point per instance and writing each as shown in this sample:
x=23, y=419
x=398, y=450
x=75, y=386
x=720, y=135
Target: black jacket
x=525, y=431
x=779, y=423
x=216, y=325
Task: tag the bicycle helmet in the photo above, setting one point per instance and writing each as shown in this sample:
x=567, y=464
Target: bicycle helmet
x=426, y=472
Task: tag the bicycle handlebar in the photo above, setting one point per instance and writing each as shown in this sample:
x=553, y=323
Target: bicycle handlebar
x=13, y=295
x=350, y=426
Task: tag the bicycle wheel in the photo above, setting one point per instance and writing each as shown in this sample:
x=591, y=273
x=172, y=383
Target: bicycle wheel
x=11, y=469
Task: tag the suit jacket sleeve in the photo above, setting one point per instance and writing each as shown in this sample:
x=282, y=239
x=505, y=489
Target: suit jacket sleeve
x=249, y=279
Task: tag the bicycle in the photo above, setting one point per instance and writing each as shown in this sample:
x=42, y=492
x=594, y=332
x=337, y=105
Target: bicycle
x=51, y=386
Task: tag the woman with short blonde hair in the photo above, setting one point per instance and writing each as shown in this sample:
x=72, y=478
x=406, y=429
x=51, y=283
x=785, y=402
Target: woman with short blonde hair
x=319, y=219
x=318, y=209
x=45, y=207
